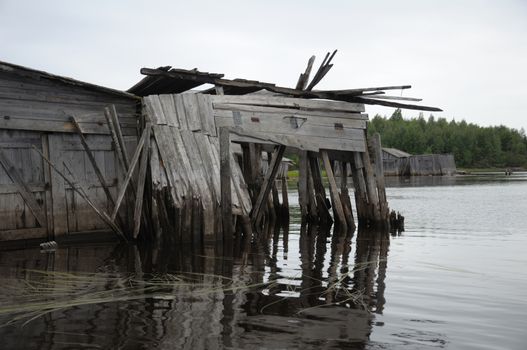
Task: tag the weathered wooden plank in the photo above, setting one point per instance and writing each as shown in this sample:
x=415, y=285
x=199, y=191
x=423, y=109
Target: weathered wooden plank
x=23, y=189
x=93, y=162
x=225, y=180
x=288, y=102
x=24, y=233
x=155, y=110
x=269, y=179
x=129, y=174
x=311, y=143
x=12, y=188
x=205, y=186
x=304, y=77
x=379, y=175
x=182, y=165
x=180, y=111
x=169, y=109
x=333, y=191
x=120, y=138
x=58, y=191
x=291, y=125
x=303, y=195
x=141, y=181
x=190, y=103
x=15, y=122
x=266, y=110
x=206, y=114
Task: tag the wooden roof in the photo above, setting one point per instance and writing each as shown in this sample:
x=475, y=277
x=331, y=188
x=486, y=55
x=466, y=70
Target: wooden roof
x=39, y=75
x=167, y=80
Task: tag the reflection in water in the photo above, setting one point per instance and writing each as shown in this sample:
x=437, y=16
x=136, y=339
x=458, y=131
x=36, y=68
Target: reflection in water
x=129, y=297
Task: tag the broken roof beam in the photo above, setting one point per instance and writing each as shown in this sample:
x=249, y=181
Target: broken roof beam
x=180, y=80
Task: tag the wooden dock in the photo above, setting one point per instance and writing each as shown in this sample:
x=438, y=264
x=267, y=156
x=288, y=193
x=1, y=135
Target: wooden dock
x=158, y=162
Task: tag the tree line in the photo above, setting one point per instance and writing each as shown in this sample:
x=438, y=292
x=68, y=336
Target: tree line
x=473, y=146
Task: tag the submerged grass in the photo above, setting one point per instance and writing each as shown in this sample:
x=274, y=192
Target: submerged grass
x=43, y=292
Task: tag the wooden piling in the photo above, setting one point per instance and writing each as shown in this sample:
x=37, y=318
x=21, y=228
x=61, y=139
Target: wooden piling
x=225, y=183
x=376, y=149
x=268, y=181
x=322, y=202
x=333, y=190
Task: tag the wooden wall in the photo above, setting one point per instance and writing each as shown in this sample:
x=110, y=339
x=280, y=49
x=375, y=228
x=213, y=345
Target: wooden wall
x=35, y=111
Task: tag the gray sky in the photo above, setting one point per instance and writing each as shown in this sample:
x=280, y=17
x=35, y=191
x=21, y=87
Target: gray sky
x=467, y=57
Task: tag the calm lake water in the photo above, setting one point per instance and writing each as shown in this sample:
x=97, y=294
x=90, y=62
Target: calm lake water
x=455, y=279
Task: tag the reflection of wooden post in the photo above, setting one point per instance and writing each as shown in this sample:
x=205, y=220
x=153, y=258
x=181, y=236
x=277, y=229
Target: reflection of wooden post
x=225, y=184
x=333, y=191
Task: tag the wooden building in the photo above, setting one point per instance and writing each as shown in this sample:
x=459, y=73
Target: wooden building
x=400, y=163
x=156, y=162
x=35, y=112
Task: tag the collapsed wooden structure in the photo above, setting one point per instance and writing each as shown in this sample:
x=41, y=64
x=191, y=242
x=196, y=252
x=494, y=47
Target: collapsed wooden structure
x=165, y=166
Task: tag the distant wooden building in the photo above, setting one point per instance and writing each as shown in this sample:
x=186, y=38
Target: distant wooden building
x=400, y=163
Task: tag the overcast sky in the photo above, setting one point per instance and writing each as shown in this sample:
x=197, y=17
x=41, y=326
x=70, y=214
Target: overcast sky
x=467, y=57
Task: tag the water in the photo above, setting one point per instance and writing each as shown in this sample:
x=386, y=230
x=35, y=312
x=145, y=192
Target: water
x=455, y=279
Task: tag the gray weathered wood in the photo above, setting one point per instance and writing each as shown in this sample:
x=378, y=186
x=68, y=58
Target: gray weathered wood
x=225, y=181
x=129, y=174
x=23, y=189
x=93, y=162
x=269, y=179
x=333, y=190
x=118, y=132
x=379, y=175
x=141, y=181
x=101, y=214
x=272, y=101
x=303, y=195
x=304, y=77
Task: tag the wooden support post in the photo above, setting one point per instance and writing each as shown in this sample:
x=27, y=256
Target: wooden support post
x=269, y=178
x=333, y=190
x=361, y=193
x=275, y=204
x=371, y=186
x=141, y=181
x=285, y=198
x=376, y=149
x=312, y=201
x=320, y=192
x=303, y=189
x=344, y=195
x=225, y=184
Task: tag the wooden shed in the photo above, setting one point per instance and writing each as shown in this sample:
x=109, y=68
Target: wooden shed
x=400, y=163
x=35, y=112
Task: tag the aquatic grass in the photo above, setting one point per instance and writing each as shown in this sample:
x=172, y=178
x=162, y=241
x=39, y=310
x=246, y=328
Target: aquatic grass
x=42, y=292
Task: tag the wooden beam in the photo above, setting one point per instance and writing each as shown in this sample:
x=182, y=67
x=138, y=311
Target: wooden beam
x=304, y=77
x=225, y=184
x=128, y=177
x=379, y=175
x=141, y=181
x=23, y=189
x=269, y=178
x=333, y=191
